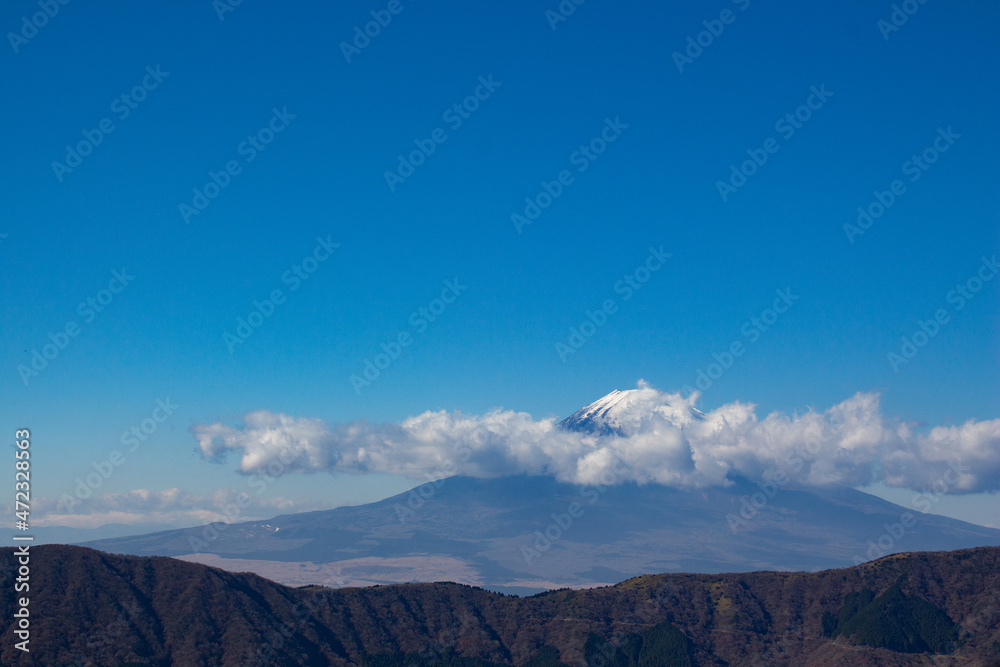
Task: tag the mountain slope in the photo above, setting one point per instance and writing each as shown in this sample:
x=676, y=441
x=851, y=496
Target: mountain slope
x=89, y=607
x=536, y=533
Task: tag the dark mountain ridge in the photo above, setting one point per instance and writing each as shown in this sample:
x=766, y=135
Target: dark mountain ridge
x=94, y=608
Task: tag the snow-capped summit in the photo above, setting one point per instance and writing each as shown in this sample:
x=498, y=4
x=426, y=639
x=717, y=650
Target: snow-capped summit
x=625, y=412
x=596, y=417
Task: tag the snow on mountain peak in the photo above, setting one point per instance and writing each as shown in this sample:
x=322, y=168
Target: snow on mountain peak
x=623, y=413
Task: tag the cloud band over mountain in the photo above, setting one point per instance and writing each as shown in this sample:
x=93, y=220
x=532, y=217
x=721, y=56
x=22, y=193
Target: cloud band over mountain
x=661, y=438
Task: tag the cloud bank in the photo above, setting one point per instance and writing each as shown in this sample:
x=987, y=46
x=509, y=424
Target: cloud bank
x=661, y=437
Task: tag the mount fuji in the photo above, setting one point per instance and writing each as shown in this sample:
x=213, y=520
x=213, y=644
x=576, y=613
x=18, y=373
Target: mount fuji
x=528, y=533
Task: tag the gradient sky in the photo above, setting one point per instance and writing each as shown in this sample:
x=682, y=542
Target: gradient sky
x=323, y=176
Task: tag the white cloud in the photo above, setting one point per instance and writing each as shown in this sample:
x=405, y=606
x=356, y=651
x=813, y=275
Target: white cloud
x=663, y=438
x=168, y=506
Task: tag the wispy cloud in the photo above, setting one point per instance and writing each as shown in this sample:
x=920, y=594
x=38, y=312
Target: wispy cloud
x=168, y=506
x=664, y=438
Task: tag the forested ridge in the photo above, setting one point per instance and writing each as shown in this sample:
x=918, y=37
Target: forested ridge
x=94, y=608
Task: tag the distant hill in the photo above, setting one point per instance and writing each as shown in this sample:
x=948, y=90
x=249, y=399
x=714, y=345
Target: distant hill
x=94, y=608
x=496, y=533
x=67, y=535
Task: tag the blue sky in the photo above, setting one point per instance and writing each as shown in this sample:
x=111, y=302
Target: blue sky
x=343, y=124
